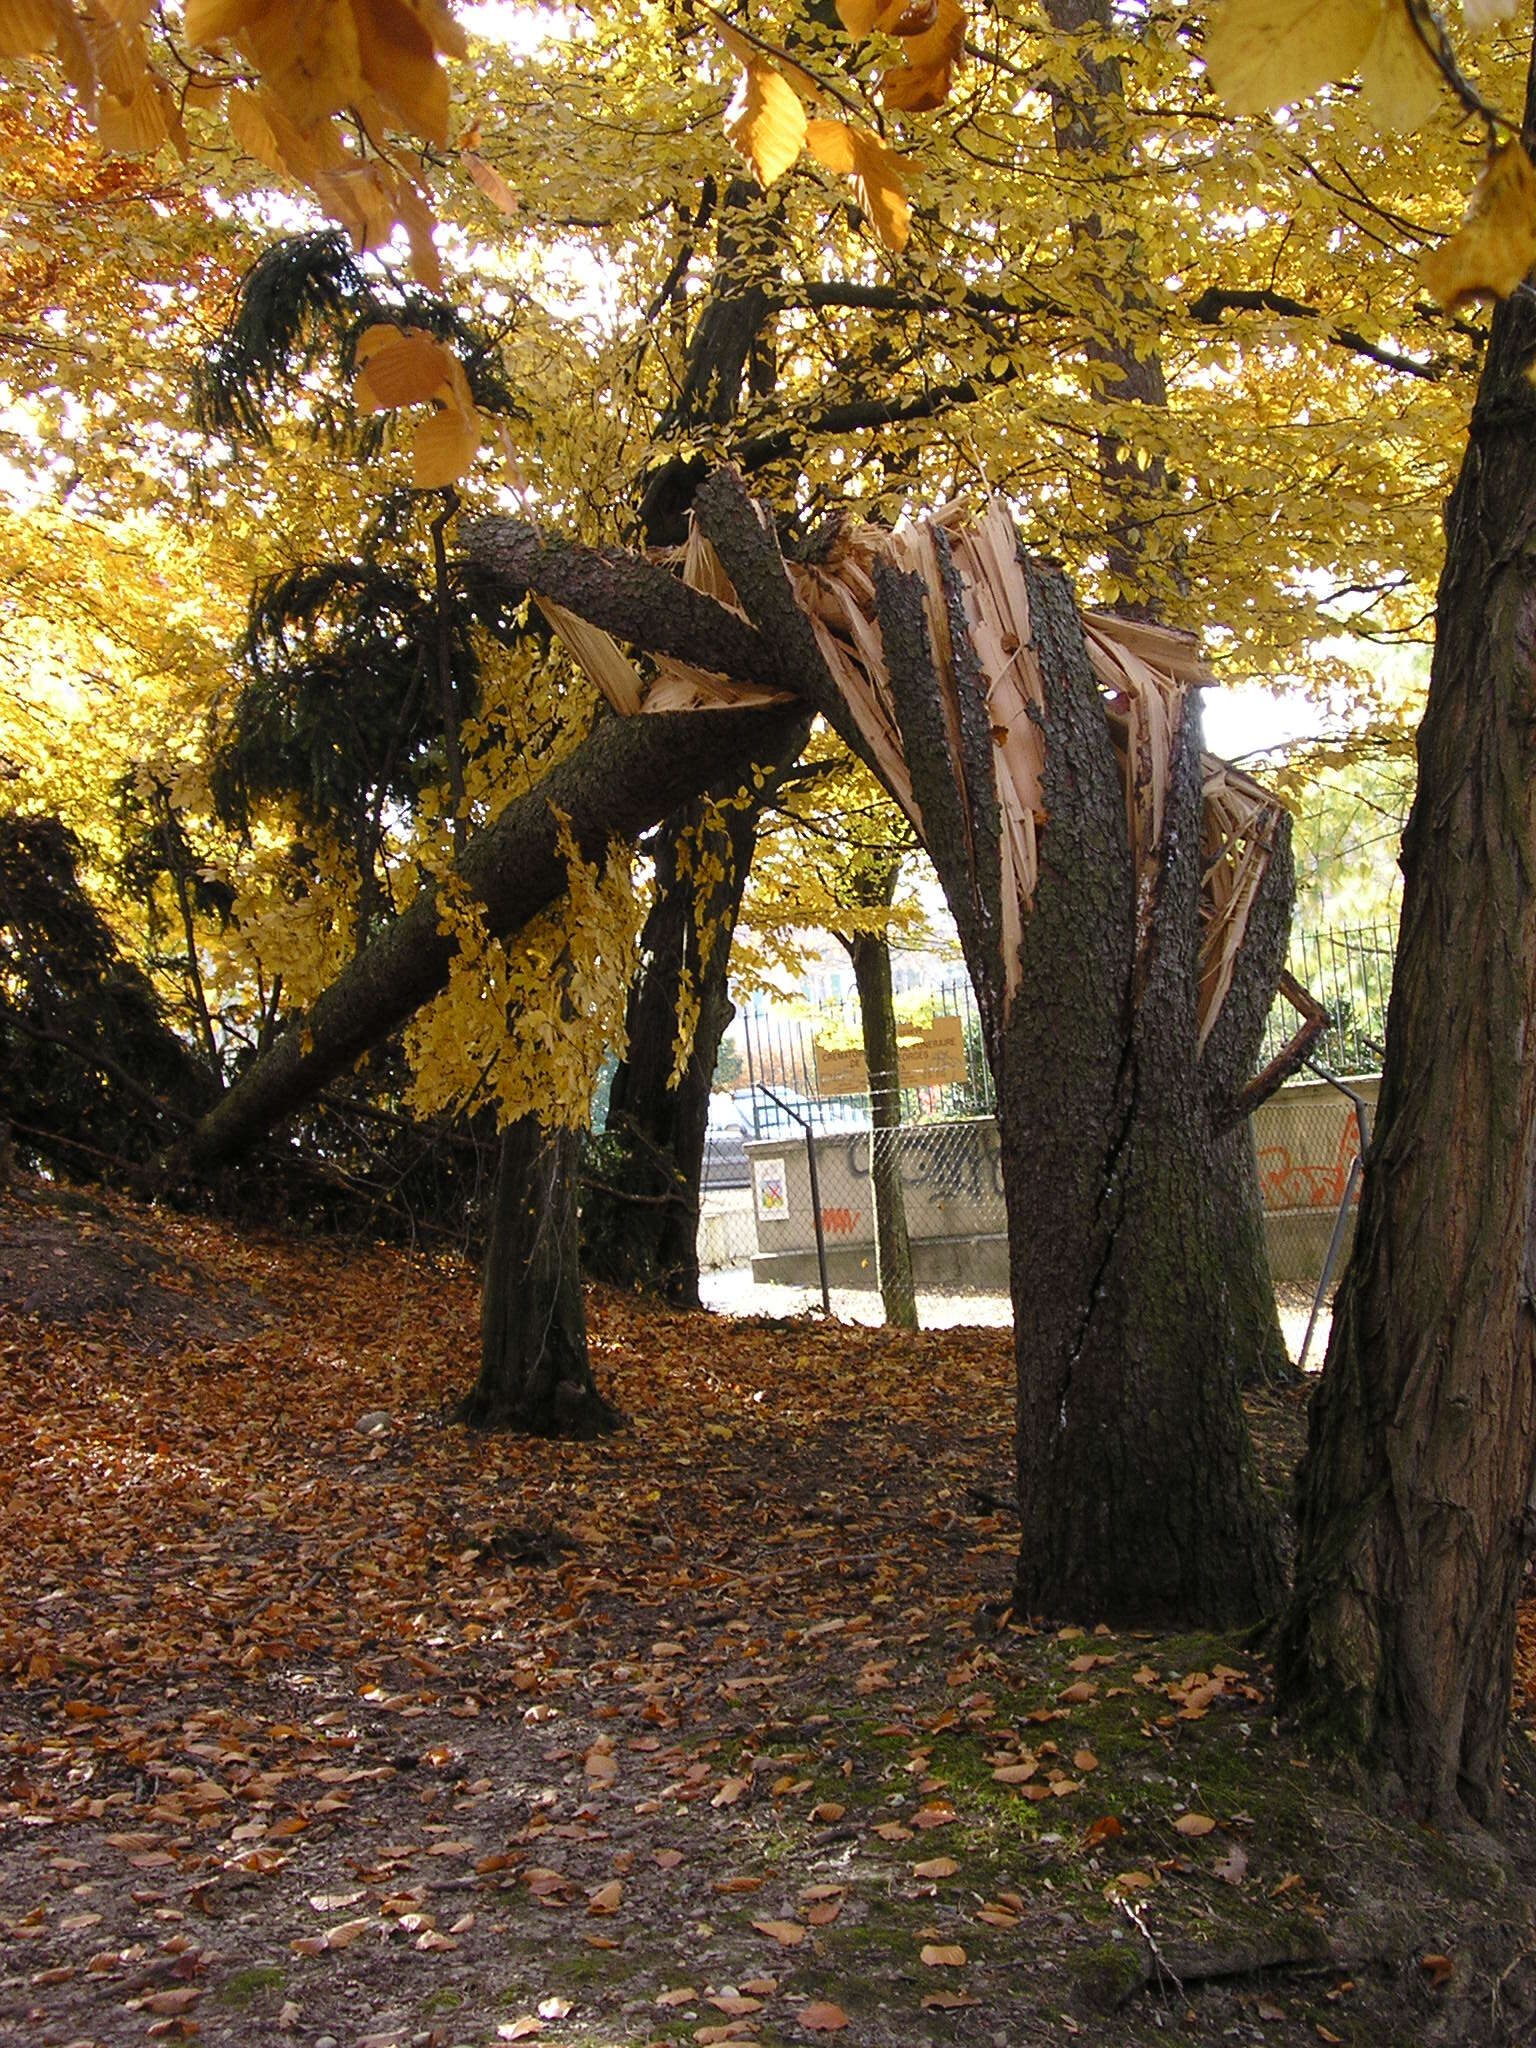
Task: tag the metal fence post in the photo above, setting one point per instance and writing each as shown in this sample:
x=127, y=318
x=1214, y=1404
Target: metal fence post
x=821, y=1235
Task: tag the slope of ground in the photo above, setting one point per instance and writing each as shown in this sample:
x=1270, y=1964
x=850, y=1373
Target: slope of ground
x=325, y=1722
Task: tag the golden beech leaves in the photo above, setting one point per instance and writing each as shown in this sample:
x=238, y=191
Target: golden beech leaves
x=312, y=60
x=1495, y=246
x=766, y=121
x=1263, y=54
x=860, y=154
x=401, y=367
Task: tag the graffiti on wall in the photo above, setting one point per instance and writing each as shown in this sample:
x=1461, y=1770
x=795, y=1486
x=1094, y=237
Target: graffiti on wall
x=1288, y=1179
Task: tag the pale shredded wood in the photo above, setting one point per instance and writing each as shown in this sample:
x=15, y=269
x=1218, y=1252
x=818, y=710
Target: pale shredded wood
x=1144, y=671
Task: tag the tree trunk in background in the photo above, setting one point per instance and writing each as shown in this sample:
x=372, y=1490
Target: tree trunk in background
x=871, y=955
x=640, y=1217
x=640, y=1225
x=1414, y=1523
x=535, y=1374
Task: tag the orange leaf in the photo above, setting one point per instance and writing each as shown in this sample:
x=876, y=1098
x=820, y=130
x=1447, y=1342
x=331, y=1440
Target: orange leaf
x=1194, y=1824
x=941, y=1954
x=766, y=121
x=1107, y=1828
x=787, y=1933
x=858, y=153
x=822, y=2017
x=936, y=1866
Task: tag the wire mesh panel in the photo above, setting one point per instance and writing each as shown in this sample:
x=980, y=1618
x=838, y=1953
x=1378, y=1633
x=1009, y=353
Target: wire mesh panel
x=1349, y=971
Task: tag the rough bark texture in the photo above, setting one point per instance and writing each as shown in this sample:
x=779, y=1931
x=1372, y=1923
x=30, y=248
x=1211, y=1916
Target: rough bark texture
x=535, y=1374
x=1136, y=1486
x=1413, y=1495
x=626, y=776
x=641, y=1226
x=871, y=954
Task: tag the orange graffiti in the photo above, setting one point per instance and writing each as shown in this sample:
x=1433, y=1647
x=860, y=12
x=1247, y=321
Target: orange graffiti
x=1288, y=1183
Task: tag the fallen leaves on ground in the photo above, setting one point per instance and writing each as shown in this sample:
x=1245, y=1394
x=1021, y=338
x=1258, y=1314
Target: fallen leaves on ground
x=320, y=1709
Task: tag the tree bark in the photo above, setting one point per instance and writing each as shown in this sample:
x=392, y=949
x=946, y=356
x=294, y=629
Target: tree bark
x=1137, y=1493
x=535, y=1373
x=871, y=955
x=641, y=1228
x=1413, y=1515
x=629, y=773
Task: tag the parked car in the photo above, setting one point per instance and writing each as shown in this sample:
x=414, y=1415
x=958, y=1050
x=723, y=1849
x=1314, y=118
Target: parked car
x=725, y=1149
x=785, y=1112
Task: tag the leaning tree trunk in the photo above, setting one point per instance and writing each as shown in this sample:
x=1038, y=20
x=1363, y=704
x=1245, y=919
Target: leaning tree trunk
x=640, y=1221
x=535, y=1374
x=1414, y=1523
x=1137, y=1492
x=871, y=955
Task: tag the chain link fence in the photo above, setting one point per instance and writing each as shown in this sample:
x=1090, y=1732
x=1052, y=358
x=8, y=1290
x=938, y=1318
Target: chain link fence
x=788, y=1211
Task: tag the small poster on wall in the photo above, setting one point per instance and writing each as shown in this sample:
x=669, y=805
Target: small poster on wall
x=771, y=1186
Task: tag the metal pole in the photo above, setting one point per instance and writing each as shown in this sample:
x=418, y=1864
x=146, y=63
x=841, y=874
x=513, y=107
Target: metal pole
x=1334, y=1243
x=821, y=1236
x=789, y=1110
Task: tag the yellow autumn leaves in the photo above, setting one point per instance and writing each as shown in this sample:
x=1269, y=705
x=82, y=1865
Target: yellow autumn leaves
x=768, y=121
x=400, y=367
x=300, y=64
x=1264, y=54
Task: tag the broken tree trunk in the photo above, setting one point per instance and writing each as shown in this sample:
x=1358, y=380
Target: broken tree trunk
x=1119, y=898
x=629, y=773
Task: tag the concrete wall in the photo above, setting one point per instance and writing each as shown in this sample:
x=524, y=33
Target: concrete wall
x=952, y=1180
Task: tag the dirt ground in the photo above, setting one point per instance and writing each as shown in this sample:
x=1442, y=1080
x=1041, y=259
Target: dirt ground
x=325, y=1722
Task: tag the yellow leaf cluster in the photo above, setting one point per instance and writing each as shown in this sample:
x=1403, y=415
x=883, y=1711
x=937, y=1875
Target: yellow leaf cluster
x=1493, y=250
x=312, y=60
x=528, y=1021
x=767, y=121
x=401, y=367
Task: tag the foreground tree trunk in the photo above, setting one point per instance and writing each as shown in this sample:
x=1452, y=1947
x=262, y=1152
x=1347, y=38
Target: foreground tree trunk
x=535, y=1374
x=641, y=1225
x=1413, y=1495
x=1137, y=1492
x=871, y=956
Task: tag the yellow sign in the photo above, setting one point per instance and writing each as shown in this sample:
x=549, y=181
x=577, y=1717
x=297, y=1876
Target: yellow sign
x=928, y=1055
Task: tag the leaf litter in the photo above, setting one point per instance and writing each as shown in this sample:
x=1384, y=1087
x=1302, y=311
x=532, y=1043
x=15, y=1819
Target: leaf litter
x=404, y=1736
